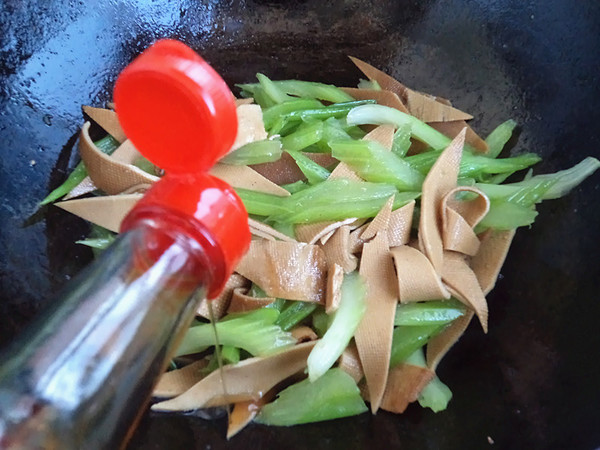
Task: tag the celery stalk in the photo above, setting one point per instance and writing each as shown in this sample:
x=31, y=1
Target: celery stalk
x=306, y=135
x=306, y=89
x=256, y=152
x=294, y=313
x=374, y=163
x=296, y=186
x=107, y=144
x=277, y=112
x=336, y=110
x=435, y=395
x=272, y=90
x=401, y=142
x=332, y=396
x=231, y=355
x=313, y=172
x=262, y=204
x=408, y=339
x=428, y=313
x=383, y=115
x=498, y=138
x=507, y=216
x=255, y=332
x=345, y=321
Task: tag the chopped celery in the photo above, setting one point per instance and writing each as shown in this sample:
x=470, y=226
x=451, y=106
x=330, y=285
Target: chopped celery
x=498, y=138
x=256, y=291
x=374, y=163
x=382, y=115
x=408, y=339
x=542, y=187
x=314, y=173
x=339, y=199
x=320, y=321
x=276, y=112
x=332, y=396
x=271, y=89
x=439, y=312
x=332, y=131
x=507, y=216
x=368, y=84
x=475, y=166
x=107, y=144
x=294, y=313
x=306, y=135
x=343, y=325
x=306, y=89
x=435, y=395
x=297, y=186
x=283, y=227
x=401, y=142
x=262, y=204
x=255, y=332
x=98, y=243
x=231, y=355
x=336, y=110
x=256, y=152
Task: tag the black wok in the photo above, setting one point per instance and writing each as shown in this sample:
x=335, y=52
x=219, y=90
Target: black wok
x=532, y=382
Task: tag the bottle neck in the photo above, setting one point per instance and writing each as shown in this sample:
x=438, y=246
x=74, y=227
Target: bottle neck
x=86, y=371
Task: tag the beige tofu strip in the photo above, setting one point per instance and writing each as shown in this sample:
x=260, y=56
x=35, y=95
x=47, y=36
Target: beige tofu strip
x=295, y=271
x=108, y=120
x=486, y=264
x=247, y=380
x=176, y=382
x=246, y=178
x=374, y=334
x=424, y=107
x=417, y=279
x=220, y=304
x=108, y=211
x=109, y=174
x=440, y=180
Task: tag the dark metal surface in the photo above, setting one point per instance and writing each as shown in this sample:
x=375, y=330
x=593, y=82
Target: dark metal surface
x=532, y=381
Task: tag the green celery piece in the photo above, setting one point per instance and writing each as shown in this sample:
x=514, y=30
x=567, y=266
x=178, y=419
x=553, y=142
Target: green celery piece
x=438, y=312
x=401, y=142
x=294, y=313
x=504, y=215
x=262, y=204
x=262, y=99
x=145, y=165
x=543, y=187
x=320, y=322
x=306, y=135
x=332, y=396
x=231, y=355
x=272, y=90
x=498, y=138
x=336, y=110
x=278, y=304
x=99, y=239
x=283, y=227
x=307, y=89
x=408, y=339
x=276, y=112
x=107, y=144
x=436, y=395
x=368, y=84
x=256, y=152
x=375, y=163
x=296, y=186
x=332, y=131
x=383, y=115
x=475, y=166
x=345, y=321
x=337, y=200
x=255, y=332
x=97, y=243
x=314, y=173
x=256, y=291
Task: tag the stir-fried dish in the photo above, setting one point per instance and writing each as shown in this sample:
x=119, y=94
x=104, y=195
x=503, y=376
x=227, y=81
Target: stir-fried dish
x=380, y=222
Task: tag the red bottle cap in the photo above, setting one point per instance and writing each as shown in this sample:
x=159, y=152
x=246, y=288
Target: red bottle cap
x=175, y=109
x=180, y=114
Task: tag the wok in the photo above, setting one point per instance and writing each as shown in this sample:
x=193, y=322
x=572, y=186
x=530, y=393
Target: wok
x=532, y=382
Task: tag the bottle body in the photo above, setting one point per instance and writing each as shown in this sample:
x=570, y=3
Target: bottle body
x=82, y=377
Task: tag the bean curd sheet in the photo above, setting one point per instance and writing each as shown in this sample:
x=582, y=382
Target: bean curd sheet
x=380, y=222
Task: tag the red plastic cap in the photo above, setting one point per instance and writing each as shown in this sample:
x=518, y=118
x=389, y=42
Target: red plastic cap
x=175, y=109
x=220, y=221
